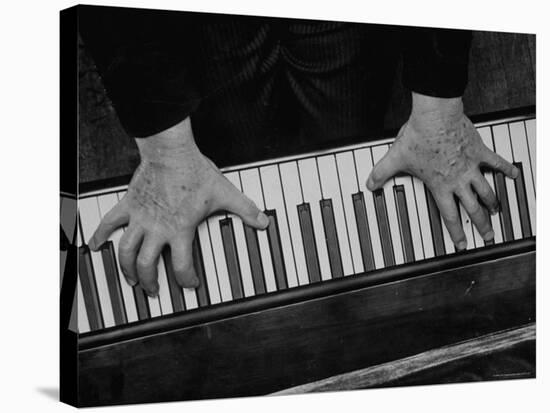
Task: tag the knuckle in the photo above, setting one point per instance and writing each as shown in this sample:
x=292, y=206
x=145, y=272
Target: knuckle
x=451, y=217
x=486, y=192
x=125, y=248
x=181, y=268
x=145, y=262
x=474, y=208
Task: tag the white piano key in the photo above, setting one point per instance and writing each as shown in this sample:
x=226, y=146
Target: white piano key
x=487, y=138
x=209, y=265
x=330, y=189
x=190, y=298
x=363, y=165
x=90, y=218
x=378, y=153
x=347, y=177
x=219, y=257
x=467, y=227
x=83, y=324
x=274, y=199
x=312, y=194
x=416, y=235
x=531, y=129
x=478, y=239
x=252, y=187
x=293, y=198
x=154, y=302
x=447, y=240
x=240, y=240
x=503, y=147
x=423, y=217
x=521, y=154
x=164, y=298
x=106, y=203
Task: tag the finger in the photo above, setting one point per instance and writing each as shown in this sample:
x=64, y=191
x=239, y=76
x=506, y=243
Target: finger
x=387, y=167
x=451, y=218
x=476, y=212
x=235, y=201
x=182, y=262
x=115, y=218
x=485, y=193
x=147, y=264
x=127, y=253
x=498, y=163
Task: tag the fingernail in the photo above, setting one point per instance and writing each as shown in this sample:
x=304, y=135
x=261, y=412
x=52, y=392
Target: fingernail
x=91, y=244
x=153, y=291
x=194, y=283
x=515, y=172
x=489, y=236
x=370, y=184
x=131, y=282
x=493, y=211
x=262, y=219
x=461, y=245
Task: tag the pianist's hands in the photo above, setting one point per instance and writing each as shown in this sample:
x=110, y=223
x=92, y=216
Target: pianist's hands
x=440, y=146
x=174, y=188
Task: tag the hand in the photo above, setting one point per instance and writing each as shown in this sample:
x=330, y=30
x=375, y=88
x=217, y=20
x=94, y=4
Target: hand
x=174, y=188
x=441, y=146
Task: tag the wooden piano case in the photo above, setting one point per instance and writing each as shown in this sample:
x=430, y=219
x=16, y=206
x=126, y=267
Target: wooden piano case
x=266, y=344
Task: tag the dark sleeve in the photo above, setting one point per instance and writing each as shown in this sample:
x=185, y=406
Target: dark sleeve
x=435, y=61
x=145, y=59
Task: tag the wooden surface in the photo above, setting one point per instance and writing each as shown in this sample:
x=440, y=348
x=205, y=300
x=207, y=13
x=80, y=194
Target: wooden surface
x=282, y=347
x=502, y=76
x=399, y=369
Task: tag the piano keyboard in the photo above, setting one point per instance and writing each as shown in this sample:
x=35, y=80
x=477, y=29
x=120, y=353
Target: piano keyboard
x=324, y=224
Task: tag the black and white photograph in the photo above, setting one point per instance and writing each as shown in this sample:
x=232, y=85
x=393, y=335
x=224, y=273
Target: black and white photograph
x=254, y=205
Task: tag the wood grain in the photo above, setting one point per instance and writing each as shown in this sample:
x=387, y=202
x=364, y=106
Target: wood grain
x=394, y=370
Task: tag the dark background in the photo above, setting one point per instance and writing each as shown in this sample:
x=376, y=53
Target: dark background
x=501, y=76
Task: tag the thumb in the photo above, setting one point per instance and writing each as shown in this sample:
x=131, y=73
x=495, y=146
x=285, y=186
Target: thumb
x=236, y=202
x=387, y=167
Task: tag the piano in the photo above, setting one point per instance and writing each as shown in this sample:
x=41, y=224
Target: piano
x=342, y=278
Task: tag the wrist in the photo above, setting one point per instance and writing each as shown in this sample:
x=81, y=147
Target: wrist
x=170, y=145
x=434, y=109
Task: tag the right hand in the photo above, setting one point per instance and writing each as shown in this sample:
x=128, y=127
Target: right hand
x=172, y=191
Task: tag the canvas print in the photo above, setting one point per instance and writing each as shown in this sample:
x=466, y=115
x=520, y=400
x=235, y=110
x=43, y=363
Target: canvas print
x=254, y=205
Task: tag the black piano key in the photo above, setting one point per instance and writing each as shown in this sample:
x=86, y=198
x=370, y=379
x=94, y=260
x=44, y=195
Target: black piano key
x=519, y=183
x=176, y=293
x=331, y=235
x=231, y=258
x=404, y=224
x=276, y=250
x=202, y=291
x=142, y=304
x=435, y=224
x=113, y=283
x=310, y=247
x=255, y=259
x=89, y=289
x=384, y=227
x=505, y=217
x=363, y=231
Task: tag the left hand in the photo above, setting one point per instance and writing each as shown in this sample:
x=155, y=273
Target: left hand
x=440, y=146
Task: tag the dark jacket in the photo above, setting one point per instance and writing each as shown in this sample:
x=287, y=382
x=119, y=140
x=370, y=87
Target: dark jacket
x=280, y=81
